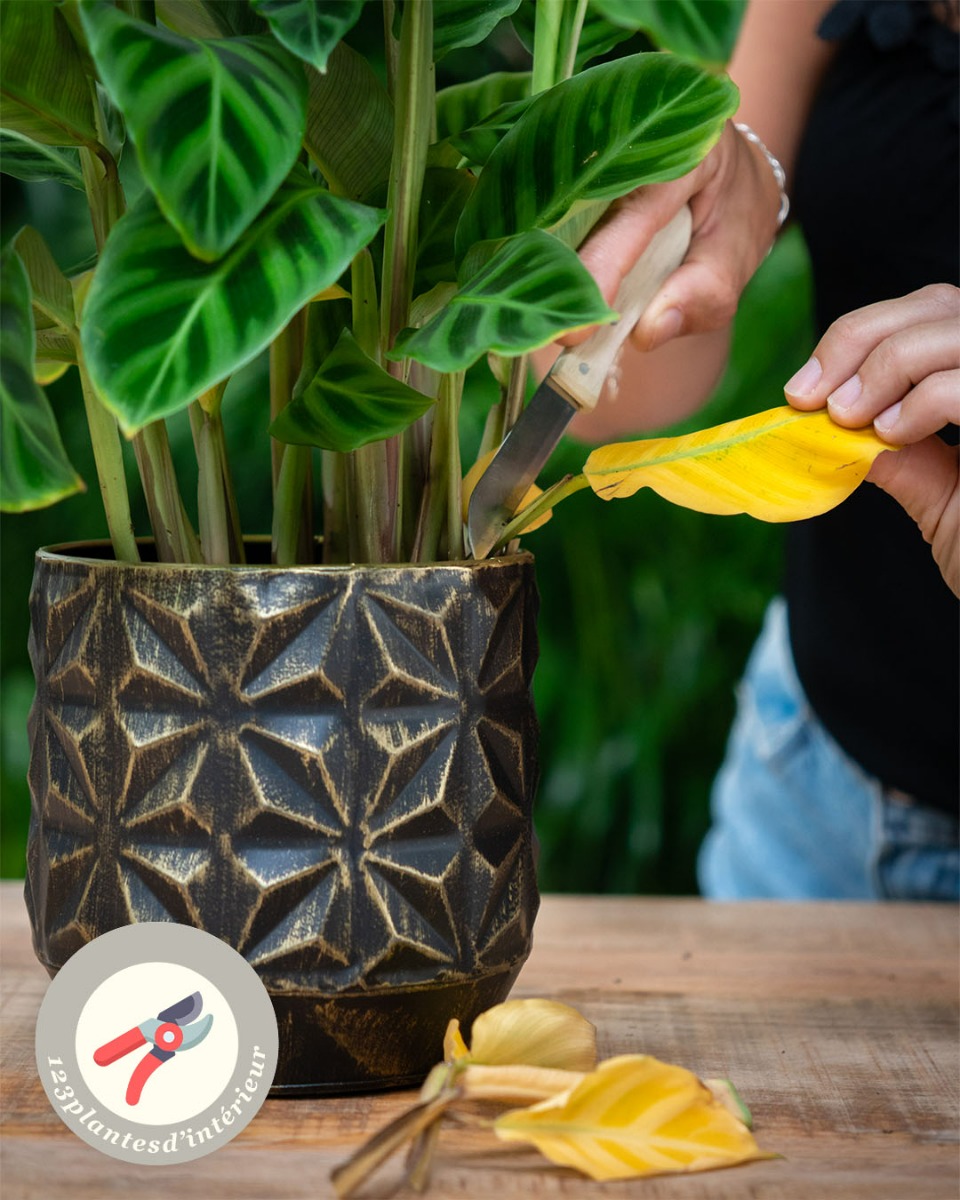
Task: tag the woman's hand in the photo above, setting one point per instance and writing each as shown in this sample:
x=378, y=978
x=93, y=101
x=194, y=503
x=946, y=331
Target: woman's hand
x=896, y=365
x=734, y=200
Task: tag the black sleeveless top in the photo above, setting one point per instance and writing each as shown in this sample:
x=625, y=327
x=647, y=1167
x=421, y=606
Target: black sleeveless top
x=873, y=626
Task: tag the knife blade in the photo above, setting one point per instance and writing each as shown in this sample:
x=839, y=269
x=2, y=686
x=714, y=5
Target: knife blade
x=573, y=384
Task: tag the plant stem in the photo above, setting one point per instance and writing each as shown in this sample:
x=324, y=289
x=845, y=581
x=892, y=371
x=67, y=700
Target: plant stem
x=573, y=16
x=550, y=499
x=286, y=358
x=108, y=456
x=288, y=505
x=413, y=120
x=546, y=37
x=174, y=535
x=369, y=506
x=221, y=540
x=451, y=389
x=516, y=392
x=333, y=478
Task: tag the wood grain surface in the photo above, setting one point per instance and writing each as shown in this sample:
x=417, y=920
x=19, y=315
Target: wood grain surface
x=839, y=1024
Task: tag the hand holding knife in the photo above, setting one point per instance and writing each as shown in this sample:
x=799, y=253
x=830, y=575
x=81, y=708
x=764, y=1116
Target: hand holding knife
x=574, y=383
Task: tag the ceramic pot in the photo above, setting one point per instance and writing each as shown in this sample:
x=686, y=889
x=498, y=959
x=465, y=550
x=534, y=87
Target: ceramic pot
x=330, y=768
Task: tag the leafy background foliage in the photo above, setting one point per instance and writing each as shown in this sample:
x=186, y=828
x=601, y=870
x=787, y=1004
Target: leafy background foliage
x=648, y=611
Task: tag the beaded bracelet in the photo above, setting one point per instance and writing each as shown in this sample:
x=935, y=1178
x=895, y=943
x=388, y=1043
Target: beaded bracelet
x=778, y=172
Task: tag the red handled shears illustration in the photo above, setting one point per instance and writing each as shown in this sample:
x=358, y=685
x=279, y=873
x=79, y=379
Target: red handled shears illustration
x=169, y=1032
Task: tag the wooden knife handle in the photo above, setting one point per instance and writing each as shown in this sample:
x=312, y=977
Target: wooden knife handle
x=582, y=370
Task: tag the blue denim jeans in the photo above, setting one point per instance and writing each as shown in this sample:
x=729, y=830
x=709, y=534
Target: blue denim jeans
x=794, y=817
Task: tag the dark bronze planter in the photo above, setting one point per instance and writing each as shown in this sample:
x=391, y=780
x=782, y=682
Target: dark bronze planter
x=332, y=769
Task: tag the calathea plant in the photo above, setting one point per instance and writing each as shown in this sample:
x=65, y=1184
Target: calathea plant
x=375, y=237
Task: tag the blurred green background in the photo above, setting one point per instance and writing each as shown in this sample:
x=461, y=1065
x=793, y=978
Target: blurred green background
x=648, y=611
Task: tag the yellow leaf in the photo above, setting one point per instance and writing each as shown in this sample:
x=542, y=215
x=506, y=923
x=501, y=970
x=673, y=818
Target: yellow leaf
x=333, y=292
x=534, y=1033
x=780, y=465
x=633, y=1116
x=511, y=1084
x=454, y=1047
x=48, y=372
x=472, y=477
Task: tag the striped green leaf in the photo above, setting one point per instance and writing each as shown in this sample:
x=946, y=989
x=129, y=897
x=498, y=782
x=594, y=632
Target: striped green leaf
x=477, y=143
x=51, y=293
x=703, y=31
x=31, y=161
x=634, y=121
x=159, y=327
x=308, y=29
x=532, y=290
x=217, y=124
x=44, y=92
x=34, y=468
x=349, y=402
x=349, y=124
x=458, y=23
x=445, y=192
x=466, y=104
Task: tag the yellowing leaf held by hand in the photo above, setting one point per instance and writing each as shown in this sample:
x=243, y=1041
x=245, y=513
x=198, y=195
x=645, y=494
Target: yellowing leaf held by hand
x=633, y=1115
x=779, y=465
x=472, y=478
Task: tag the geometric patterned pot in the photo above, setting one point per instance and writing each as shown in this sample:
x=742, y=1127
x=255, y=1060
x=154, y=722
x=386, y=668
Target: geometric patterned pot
x=330, y=768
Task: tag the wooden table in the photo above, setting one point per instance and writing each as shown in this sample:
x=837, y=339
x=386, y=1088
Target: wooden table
x=838, y=1023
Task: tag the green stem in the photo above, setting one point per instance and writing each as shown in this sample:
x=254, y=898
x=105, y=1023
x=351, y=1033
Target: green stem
x=413, y=108
x=108, y=456
x=516, y=392
x=370, y=506
x=333, y=478
x=451, y=389
x=172, y=531
x=573, y=17
x=567, y=486
x=286, y=359
x=287, y=509
x=546, y=38
x=211, y=499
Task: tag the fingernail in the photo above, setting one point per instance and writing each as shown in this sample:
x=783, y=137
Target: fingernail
x=886, y=420
x=846, y=395
x=805, y=380
x=668, y=326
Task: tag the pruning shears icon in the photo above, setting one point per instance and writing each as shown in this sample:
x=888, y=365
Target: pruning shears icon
x=169, y=1032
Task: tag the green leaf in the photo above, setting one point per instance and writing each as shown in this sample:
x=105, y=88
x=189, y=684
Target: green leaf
x=44, y=92
x=703, y=31
x=445, y=192
x=637, y=120
x=51, y=293
x=159, y=327
x=349, y=402
x=308, y=29
x=459, y=23
x=477, y=143
x=217, y=124
x=466, y=104
x=34, y=468
x=31, y=161
x=349, y=124
x=190, y=17
x=532, y=290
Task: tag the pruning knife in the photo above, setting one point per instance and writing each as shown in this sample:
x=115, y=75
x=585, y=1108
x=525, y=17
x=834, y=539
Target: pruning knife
x=171, y=1030
x=573, y=384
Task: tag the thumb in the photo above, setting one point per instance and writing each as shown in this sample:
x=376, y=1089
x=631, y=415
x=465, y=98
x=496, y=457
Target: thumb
x=924, y=479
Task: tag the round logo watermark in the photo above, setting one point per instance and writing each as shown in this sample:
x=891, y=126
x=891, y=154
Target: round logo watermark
x=156, y=1043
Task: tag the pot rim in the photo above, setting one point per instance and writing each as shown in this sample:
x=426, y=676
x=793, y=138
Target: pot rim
x=72, y=552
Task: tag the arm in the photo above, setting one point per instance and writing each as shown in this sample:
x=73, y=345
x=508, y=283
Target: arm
x=734, y=199
x=897, y=364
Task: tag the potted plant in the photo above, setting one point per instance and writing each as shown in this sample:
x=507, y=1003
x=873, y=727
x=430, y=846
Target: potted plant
x=322, y=749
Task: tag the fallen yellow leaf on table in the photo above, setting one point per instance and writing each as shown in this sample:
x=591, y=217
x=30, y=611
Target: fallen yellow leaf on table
x=779, y=465
x=633, y=1115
